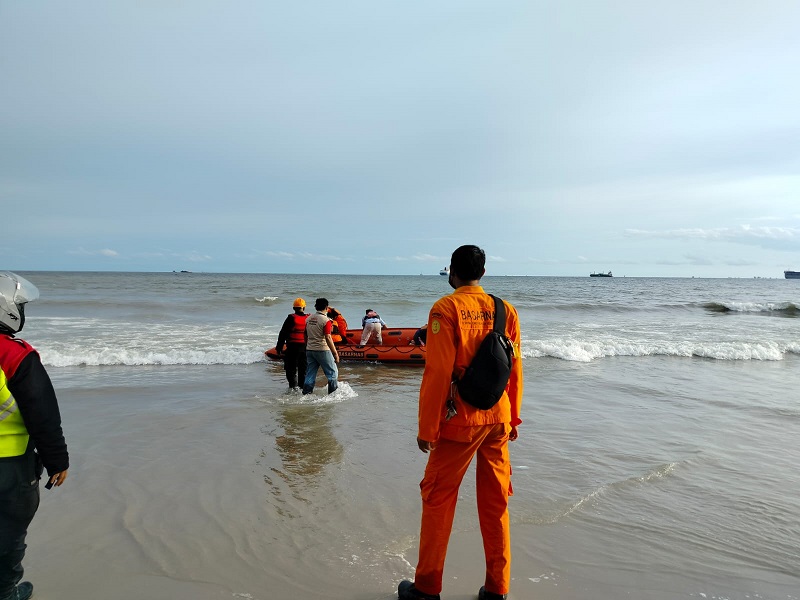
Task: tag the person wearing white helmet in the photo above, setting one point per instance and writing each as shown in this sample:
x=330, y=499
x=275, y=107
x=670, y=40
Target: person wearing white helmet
x=31, y=438
x=293, y=335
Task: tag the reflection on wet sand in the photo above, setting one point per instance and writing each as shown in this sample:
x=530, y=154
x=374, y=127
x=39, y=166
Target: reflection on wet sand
x=306, y=446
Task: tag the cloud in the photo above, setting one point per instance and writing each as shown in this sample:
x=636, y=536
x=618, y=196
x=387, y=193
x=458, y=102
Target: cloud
x=688, y=259
x=561, y=261
x=292, y=256
x=537, y=129
x=321, y=257
x=777, y=238
x=701, y=260
x=102, y=252
x=194, y=256
x=419, y=258
x=428, y=258
x=740, y=262
x=698, y=260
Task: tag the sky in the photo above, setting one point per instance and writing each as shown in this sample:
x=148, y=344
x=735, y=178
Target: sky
x=563, y=137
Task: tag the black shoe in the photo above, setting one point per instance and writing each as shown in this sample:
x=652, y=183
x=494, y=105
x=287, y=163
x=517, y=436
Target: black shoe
x=407, y=591
x=22, y=592
x=484, y=595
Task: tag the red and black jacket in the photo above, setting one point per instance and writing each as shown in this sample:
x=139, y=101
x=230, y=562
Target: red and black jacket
x=29, y=383
x=292, y=331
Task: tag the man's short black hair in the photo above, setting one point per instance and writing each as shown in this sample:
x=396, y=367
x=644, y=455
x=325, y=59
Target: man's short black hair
x=468, y=262
x=321, y=303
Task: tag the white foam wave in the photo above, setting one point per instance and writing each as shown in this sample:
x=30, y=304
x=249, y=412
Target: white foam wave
x=268, y=300
x=658, y=472
x=320, y=395
x=571, y=350
x=132, y=357
x=758, y=307
x=586, y=351
x=96, y=342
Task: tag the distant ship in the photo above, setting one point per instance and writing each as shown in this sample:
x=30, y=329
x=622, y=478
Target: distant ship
x=445, y=271
x=791, y=274
x=601, y=274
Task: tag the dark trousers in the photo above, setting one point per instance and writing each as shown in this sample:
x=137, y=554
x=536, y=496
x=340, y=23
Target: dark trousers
x=19, y=499
x=294, y=363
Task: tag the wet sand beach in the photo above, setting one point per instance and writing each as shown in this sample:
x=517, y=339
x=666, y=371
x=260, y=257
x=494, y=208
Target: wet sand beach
x=212, y=482
x=220, y=492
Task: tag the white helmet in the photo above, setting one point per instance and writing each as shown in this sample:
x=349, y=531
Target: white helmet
x=15, y=292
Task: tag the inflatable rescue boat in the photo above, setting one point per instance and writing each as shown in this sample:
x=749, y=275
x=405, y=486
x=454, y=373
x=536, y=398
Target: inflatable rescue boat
x=396, y=348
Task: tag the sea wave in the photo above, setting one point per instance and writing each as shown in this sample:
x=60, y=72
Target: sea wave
x=570, y=350
x=606, y=307
x=132, y=357
x=587, y=351
x=563, y=510
x=786, y=309
x=96, y=342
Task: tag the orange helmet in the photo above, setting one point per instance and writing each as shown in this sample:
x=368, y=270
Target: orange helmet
x=299, y=303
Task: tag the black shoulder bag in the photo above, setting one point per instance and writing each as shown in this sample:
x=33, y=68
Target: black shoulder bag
x=486, y=378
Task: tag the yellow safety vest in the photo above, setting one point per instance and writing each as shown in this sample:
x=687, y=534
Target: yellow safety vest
x=13, y=434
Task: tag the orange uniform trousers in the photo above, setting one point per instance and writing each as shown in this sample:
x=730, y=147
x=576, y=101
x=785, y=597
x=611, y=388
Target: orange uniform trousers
x=447, y=464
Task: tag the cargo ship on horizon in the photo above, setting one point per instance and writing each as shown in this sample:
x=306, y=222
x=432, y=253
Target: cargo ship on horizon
x=791, y=274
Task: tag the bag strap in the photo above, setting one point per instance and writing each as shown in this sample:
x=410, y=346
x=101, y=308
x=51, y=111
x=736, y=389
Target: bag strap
x=499, y=315
x=499, y=327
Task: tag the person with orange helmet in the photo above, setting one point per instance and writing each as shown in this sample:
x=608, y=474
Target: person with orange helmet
x=292, y=334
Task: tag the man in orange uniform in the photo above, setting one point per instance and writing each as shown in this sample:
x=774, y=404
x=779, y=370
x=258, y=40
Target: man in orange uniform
x=453, y=434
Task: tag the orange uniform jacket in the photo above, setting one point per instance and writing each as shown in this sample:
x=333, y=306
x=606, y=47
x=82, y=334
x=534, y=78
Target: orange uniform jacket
x=340, y=331
x=457, y=324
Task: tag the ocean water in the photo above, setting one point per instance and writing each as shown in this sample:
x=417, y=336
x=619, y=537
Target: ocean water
x=204, y=319
x=657, y=457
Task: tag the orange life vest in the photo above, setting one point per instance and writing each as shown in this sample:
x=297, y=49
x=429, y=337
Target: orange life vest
x=339, y=332
x=297, y=334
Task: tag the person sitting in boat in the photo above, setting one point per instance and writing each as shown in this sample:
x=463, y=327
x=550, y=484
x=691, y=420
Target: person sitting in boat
x=339, y=333
x=372, y=323
x=420, y=336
